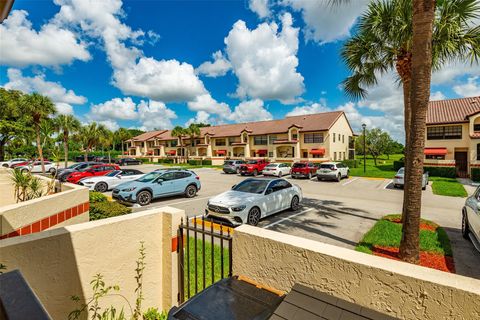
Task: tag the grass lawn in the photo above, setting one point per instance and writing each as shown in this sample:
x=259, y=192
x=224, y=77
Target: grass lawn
x=384, y=240
x=217, y=266
x=448, y=187
x=186, y=165
x=383, y=169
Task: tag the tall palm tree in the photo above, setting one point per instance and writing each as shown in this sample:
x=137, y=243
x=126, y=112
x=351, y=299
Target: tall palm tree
x=123, y=135
x=389, y=33
x=66, y=125
x=106, y=141
x=192, y=131
x=90, y=137
x=179, y=132
x=38, y=107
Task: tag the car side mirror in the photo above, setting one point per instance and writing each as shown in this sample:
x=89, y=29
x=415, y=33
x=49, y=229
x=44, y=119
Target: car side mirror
x=119, y=176
x=159, y=180
x=269, y=190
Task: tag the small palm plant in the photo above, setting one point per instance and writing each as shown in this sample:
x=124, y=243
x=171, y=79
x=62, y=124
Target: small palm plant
x=26, y=186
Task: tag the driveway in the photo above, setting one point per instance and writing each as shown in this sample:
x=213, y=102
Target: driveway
x=338, y=213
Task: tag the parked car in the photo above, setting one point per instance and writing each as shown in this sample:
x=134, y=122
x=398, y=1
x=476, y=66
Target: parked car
x=8, y=163
x=253, y=167
x=95, y=170
x=253, y=199
x=63, y=173
x=127, y=161
x=36, y=167
x=105, y=159
x=471, y=219
x=398, y=181
x=277, y=169
x=156, y=184
x=232, y=166
x=111, y=179
x=303, y=170
x=81, y=158
x=332, y=171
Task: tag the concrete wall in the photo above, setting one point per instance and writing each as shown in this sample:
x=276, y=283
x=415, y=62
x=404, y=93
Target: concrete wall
x=60, y=263
x=70, y=206
x=399, y=289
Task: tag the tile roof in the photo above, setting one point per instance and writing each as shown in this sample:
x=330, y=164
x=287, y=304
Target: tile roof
x=452, y=111
x=312, y=122
x=148, y=135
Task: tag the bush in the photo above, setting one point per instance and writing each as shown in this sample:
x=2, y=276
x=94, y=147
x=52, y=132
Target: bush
x=207, y=162
x=95, y=197
x=446, y=172
x=107, y=209
x=165, y=160
x=398, y=164
x=350, y=163
x=154, y=314
x=72, y=154
x=475, y=174
x=144, y=160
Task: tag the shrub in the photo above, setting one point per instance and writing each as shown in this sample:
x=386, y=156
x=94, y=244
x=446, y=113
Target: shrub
x=446, y=172
x=207, y=162
x=95, y=196
x=350, y=163
x=475, y=174
x=194, y=162
x=107, y=209
x=144, y=160
x=398, y=164
x=165, y=160
x=154, y=314
x=72, y=154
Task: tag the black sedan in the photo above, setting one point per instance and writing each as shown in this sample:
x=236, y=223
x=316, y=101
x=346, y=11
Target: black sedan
x=127, y=161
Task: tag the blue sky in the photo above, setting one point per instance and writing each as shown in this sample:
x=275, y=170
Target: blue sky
x=157, y=64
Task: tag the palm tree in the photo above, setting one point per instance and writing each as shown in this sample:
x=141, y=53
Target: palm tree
x=179, y=132
x=38, y=107
x=106, y=141
x=90, y=136
x=123, y=135
x=65, y=125
x=192, y=131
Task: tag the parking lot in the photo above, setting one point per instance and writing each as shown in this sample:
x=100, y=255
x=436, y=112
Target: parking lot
x=338, y=213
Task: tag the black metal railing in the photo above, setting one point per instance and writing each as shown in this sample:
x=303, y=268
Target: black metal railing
x=202, y=256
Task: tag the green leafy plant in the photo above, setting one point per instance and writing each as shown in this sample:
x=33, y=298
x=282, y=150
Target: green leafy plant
x=95, y=197
x=154, y=314
x=26, y=186
x=107, y=209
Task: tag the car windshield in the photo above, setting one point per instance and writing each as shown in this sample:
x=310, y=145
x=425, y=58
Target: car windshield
x=149, y=176
x=228, y=163
x=252, y=162
x=73, y=166
x=113, y=173
x=299, y=165
x=327, y=166
x=272, y=165
x=251, y=186
x=401, y=171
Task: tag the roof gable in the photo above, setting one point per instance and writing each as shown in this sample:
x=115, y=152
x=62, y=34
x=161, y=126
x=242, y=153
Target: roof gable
x=452, y=111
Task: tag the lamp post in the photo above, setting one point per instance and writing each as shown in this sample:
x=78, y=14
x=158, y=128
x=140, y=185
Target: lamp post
x=364, y=149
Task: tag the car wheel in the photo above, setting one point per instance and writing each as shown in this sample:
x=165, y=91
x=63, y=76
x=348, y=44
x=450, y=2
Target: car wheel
x=465, y=228
x=339, y=177
x=242, y=174
x=101, y=187
x=280, y=174
x=190, y=191
x=348, y=174
x=24, y=171
x=255, y=172
x=295, y=203
x=253, y=216
x=424, y=188
x=144, y=198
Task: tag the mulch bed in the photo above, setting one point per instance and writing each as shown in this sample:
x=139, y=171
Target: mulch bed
x=427, y=259
x=423, y=225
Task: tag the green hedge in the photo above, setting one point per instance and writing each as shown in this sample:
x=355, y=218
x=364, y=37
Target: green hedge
x=350, y=163
x=446, y=172
x=107, y=209
x=475, y=174
x=194, y=162
x=165, y=160
x=95, y=197
x=397, y=165
x=73, y=154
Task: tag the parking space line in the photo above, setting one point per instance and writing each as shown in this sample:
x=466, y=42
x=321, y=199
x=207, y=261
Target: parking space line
x=287, y=218
x=349, y=181
x=388, y=183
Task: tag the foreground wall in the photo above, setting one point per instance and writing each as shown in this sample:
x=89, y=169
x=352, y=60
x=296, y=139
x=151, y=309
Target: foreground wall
x=70, y=206
x=61, y=262
x=399, y=289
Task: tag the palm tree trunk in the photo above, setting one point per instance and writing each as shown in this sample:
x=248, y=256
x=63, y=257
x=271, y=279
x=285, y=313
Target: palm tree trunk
x=39, y=146
x=65, y=149
x=423, y=17
x=407, y=121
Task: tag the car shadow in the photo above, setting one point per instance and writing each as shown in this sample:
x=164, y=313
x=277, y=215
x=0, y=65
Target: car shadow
x=466, y=257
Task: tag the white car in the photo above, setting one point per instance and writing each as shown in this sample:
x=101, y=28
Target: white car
x=110, y=180
x=36, y=167
x=398, y=180
x=332, y=171
x=253, y=199
x=471, y=219
x=7, y=164
x=277, y=169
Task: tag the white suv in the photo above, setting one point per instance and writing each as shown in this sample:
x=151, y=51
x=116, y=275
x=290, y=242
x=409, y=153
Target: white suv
x=332, y=171
x=471, y=219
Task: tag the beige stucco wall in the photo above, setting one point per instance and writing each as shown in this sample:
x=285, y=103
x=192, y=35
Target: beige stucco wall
x=61, y=262
x=340, y=146
x=399, y=289
x=453, y=144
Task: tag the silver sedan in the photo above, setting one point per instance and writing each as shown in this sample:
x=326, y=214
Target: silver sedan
x=398, y=180
x=471, y=219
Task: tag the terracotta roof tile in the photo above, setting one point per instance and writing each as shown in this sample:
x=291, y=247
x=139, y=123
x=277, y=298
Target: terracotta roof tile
x=452, y=111
x=148, y=135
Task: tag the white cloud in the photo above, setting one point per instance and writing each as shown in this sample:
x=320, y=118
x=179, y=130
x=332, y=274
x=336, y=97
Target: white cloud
x=206, y=103
x=264, y=60
x=260, y=7
x=110, y=124
x=450, y=72
x=202, y=117
x=469, y=89
x=62, y=97
x=326, y=22
x=115, y=108
x=309, y=109
x=437, y=95
x=386, y=97
x=219, y=67
x=50, y=46
x=155, y=115
x=252, y=110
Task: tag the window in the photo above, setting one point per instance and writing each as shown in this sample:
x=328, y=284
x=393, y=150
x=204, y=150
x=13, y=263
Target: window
x=476, y=127
x=343, y=138
x=260, y=140
x=173, y=143
x=272, y=139
x=436, y=157
x=168, y=176
x=444, y=132
x=270, y=154
x=344, y=158
x=233, y=140
x=478, y=151
x=294, y=136
x=278, y=185
x=220, y=142
x=181, y=175
x=334, y=155
x=313, y=138
x=333, y=137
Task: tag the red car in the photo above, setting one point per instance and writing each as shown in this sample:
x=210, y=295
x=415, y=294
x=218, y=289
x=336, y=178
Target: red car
x=253, y=167
x=96, y=170
x=25, y=163
x=304, y=170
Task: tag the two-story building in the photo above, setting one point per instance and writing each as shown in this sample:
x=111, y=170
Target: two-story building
x=320, y=137
x=453, y=134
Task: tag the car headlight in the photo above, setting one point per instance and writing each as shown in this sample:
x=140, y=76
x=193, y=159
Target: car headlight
x=129, y=189
x=87, y=182
x=239, y=208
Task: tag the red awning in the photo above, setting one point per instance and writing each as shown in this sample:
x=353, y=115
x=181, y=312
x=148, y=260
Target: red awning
x=435, y=151
x=172, y=152
x=320, y=151
x=262, y=151
x=221, y=151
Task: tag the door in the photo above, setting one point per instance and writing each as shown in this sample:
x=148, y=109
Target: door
x=180, y=182
x=164, y=185
x=461, y=163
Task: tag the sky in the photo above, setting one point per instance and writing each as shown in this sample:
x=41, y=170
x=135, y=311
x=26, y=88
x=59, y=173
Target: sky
x=155, y=64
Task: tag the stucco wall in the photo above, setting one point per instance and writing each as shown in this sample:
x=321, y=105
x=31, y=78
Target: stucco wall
x=60, y=263
x=399, y=289
x=451, y=145
x=340, y=146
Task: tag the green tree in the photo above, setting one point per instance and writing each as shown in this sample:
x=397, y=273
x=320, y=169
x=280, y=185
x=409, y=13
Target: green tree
x=106, y=142
x=90, y=137
x=192, y=131
x=122, y=135
x=66, y=125
x=47, y=129
x=12, y=119
x=179, y=132
x=38, y=108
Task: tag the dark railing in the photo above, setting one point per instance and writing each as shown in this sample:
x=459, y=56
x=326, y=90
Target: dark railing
x=206, y=245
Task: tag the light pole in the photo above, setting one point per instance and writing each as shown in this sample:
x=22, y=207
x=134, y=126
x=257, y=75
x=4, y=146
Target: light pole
x=364, y=149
